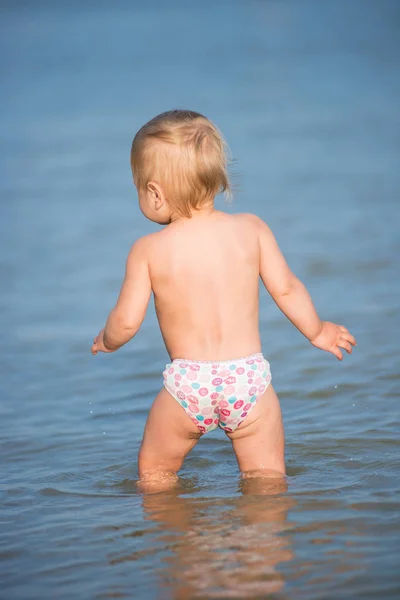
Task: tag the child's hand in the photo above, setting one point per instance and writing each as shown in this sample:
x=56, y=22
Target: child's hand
x=98, y=344
x=332, y=338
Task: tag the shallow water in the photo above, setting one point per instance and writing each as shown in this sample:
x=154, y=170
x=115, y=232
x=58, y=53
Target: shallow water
x=307, y=96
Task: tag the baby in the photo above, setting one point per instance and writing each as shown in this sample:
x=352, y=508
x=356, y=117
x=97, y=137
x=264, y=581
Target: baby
x=203, y=268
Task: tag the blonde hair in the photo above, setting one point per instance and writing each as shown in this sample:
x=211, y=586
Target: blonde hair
x=186, y=154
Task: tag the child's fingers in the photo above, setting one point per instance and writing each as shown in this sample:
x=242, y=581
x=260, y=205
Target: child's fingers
x=94, y=349
x=350, y=338
x=345, y=345
x=335, y=350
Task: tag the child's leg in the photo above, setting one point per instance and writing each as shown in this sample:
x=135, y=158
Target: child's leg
x=259, y=442
x=168, y=436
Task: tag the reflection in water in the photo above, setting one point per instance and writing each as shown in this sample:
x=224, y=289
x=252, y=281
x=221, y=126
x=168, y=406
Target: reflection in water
x=227, y=547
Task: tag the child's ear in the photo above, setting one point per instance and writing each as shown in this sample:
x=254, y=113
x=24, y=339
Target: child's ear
x=156, y=195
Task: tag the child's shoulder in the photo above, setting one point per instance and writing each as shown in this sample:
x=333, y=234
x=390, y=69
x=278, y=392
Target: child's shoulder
x=142, y=247
x=255, y=227
x=250, y=220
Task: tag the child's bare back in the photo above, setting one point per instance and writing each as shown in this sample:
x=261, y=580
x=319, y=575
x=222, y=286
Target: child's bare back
x=204, y=269
x=204, y=274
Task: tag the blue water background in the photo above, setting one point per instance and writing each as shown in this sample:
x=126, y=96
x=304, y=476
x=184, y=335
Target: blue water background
x=307, y=95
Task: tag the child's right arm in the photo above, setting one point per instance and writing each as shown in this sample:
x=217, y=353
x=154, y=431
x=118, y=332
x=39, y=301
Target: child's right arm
x=127, y=315
x=293, y=299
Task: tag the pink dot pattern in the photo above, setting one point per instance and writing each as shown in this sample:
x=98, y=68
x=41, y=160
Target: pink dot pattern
x=220, y=393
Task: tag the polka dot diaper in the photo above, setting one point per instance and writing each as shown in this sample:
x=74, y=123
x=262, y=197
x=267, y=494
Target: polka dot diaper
x=217, y=393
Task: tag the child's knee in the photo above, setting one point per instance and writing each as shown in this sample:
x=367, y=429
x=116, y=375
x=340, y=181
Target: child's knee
x=157, y=481
x=264, y=481
x=157, y=475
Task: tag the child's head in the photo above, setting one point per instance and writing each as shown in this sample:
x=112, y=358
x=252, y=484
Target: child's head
x=179, y=164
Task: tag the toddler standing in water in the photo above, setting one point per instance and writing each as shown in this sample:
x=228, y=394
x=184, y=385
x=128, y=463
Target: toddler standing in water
x=203, y=268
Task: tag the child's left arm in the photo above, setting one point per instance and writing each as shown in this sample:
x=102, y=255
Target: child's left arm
x=128, y=314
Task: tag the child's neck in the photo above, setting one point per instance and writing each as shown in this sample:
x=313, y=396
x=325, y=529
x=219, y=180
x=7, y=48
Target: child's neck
x=205, y=211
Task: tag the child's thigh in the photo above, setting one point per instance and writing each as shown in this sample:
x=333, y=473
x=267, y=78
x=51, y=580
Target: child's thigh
x=259, y=442
x=168, y=436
